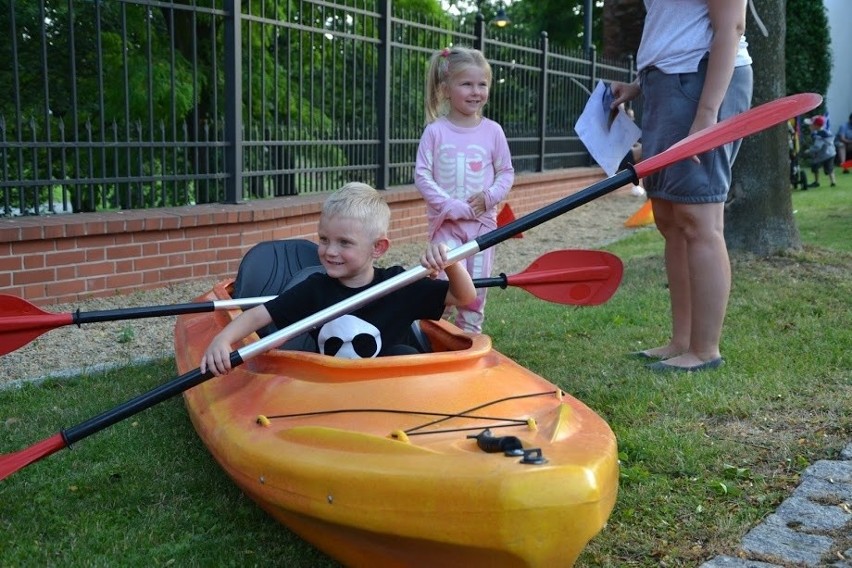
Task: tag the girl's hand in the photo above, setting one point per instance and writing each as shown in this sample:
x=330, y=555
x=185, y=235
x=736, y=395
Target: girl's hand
x=477, y=203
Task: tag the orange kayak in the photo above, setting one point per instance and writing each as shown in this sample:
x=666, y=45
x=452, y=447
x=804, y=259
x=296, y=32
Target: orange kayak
x=458, y=457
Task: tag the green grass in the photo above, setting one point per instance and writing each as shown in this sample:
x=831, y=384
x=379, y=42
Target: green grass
x=704, y=457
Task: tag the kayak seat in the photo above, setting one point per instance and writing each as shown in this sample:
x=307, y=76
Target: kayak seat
x=266, y=270
x=271, y=267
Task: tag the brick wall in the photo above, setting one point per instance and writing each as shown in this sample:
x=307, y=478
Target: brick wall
x=63, y=259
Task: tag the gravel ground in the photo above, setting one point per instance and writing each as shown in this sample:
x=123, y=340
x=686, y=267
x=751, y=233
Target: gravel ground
x=72, y=350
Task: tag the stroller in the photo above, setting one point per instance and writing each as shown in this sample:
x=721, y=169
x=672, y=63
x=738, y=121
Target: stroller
x=798, y=177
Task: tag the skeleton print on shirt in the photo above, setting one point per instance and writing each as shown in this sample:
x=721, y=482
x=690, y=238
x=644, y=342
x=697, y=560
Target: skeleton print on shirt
x=463, y=169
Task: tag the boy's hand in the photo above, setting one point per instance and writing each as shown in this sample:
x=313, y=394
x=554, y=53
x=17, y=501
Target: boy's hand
x=434, y=258
x=217, y=358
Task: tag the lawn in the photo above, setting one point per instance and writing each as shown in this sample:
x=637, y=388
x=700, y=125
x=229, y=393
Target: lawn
x=704, y=457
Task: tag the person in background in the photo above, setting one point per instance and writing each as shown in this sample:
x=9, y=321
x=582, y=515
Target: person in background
x=463, y=167
x=821, y=152
x=843, y=142
x=352, y=234
x=694, y=70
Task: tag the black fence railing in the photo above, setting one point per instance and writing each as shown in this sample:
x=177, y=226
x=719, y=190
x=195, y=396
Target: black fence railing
x=153, y=103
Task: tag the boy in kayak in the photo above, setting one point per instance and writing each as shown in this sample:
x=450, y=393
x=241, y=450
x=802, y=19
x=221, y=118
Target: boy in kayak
x=352, y=235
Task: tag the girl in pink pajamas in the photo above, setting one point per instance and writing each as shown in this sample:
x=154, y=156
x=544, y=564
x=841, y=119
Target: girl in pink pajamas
x=463, y=168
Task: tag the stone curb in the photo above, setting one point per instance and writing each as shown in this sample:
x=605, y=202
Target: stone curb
x=812, y=527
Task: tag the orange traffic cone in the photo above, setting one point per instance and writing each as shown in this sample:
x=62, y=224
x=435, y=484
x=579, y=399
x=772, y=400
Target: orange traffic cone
x=506, y=216
x=645, y=216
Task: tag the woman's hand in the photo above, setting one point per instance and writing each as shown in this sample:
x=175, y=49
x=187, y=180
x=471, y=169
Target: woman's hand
x=624, y=92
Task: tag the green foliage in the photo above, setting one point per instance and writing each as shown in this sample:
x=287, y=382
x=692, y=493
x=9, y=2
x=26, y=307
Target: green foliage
x=808, y=51
x=562, y=21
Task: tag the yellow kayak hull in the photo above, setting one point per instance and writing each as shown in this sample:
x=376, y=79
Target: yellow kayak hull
x=373, y=462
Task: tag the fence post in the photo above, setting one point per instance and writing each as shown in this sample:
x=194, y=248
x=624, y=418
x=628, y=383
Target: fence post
x=383, y=95
x=233, y=103
x=542, y=101
x=479, y=32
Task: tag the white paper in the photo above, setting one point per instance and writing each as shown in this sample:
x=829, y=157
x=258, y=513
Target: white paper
x=608, y=144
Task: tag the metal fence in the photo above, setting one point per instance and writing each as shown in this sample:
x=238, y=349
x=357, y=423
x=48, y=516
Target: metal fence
x=151, y=103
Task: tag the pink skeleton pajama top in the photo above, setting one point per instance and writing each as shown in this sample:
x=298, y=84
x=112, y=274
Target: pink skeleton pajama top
x=453, y=164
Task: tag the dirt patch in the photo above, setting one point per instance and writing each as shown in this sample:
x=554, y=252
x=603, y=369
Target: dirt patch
x=70, y=350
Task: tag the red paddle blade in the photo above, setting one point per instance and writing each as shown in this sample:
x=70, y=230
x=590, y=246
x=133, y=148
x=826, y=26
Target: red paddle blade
x=506, y=216
x=576, y=277
x=21, y=322
x=739, y=126
x=10, y=463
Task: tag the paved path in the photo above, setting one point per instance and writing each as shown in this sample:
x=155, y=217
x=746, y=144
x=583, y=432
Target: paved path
x=812, y=527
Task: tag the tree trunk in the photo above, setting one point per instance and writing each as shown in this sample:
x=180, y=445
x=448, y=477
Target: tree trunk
x=622, y=27
x=759, y=212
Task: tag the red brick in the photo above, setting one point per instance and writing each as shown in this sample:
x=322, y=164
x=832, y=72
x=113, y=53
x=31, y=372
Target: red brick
x=150, y=262
x=33, y=261
x=25, y=277
x=9, y=233
x=66, y=273
x=177, y=260
x=124, y=266
x=93, y=269
x=95, y=284
x=65, y=244
x=66, y=257
x=32, y=247
x=98, y=241
x=169, y=247
x=123, y=251
x=11, y=263
x=53, y=232
x=33, y=293
x=176, y=274
x=67, y=288
x=124, y=282
x=95, y=255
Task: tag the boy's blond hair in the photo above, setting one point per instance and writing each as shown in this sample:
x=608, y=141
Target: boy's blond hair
x=362, y=203
x=442, y=67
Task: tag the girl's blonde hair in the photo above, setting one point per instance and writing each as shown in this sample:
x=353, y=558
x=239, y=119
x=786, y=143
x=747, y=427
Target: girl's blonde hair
x=362, y=203
x=443, y=65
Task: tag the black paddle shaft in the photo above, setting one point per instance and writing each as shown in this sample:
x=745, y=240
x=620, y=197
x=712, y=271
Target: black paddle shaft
x=141, y=402
x=556, y=209
x=142, y=312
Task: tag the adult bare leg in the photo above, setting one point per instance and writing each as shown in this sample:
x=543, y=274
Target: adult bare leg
x=709, y=279
x=677, y=274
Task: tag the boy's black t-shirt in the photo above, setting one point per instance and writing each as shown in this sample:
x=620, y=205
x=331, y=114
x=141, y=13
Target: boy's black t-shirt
x=370, y=330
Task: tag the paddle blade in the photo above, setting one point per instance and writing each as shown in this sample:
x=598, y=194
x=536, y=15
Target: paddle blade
x=739, y=126
x=21, y=322
x=506, y=216
x=10, y=463
x=575, y=277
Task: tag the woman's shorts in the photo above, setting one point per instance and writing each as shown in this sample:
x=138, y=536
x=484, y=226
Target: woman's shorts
x=668, y=110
